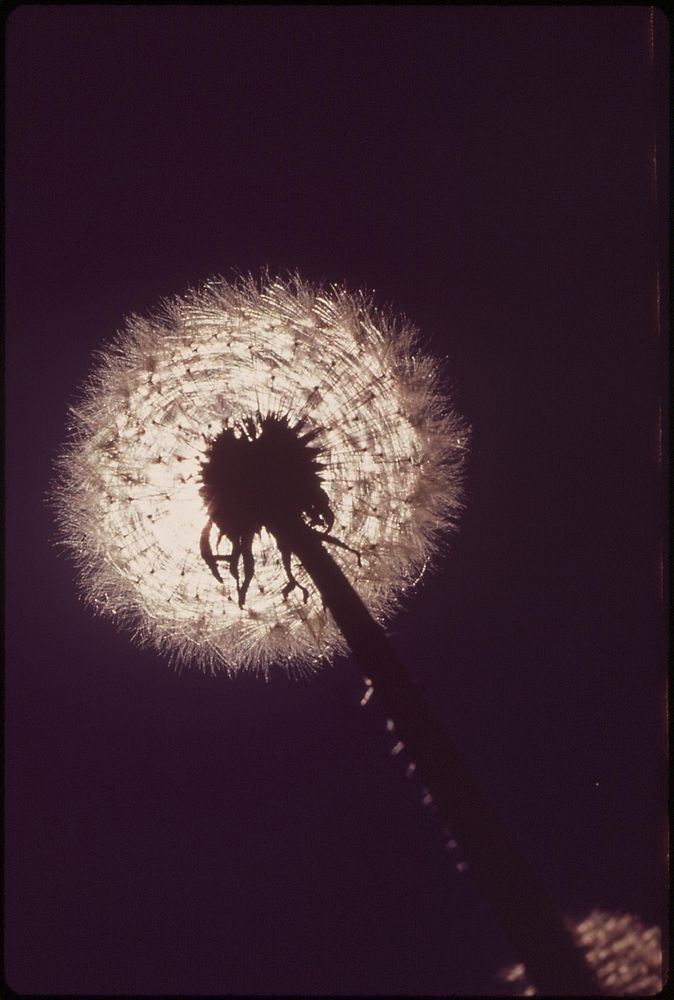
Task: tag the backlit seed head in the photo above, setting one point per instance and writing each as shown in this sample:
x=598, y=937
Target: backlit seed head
x=386, y=445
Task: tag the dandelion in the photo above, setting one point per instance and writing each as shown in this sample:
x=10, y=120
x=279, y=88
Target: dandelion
x=332, y=393
x=625, y=955
x=257, y=474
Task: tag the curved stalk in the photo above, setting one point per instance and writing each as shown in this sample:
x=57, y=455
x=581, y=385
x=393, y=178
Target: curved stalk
x=497, y=867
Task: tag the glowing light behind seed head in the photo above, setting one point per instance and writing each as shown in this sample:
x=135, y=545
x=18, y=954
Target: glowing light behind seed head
x=128, y=488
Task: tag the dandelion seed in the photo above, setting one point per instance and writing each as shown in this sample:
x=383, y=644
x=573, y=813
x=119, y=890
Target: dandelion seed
x=386, y=445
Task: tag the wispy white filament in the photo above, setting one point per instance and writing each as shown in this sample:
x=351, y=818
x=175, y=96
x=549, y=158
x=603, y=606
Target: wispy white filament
x=128, y=487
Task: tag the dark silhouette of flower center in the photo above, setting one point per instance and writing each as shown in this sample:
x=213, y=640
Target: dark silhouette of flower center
x=262, y=473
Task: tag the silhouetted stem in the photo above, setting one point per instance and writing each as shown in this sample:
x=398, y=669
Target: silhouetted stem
x=495, y=864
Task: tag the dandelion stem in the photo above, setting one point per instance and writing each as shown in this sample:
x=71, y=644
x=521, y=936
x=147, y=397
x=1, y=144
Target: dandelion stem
x=497, y=867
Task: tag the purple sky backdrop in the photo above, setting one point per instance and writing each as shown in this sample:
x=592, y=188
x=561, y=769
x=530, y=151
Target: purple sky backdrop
x=489, y=172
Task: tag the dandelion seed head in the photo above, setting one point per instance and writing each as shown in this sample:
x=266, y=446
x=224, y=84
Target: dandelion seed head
x=127, y=493
x=624, y=954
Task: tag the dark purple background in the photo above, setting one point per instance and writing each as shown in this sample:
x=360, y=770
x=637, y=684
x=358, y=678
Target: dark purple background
x=489, y=171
